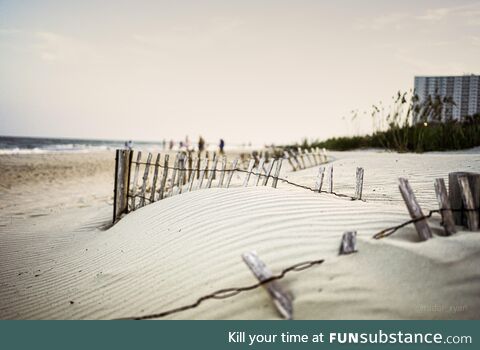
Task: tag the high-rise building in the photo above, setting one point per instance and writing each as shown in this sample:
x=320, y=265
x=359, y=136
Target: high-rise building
x=464, y=90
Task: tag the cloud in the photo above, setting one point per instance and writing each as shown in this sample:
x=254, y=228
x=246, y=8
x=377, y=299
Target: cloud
x=469, y=11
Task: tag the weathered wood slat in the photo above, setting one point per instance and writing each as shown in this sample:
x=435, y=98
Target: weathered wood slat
x=222, y=171
x=289, y=158
x=281, y=299
x=122, y=176
x=193, y=175
x=163, y=183
x=421, y=225
x=471, y=211
x=154, y=181
x=269, y=172
x=249, y=172
x=444, y=206
x=277, y=172
x=259, y=171
x=203, y=171
x=174, y=174
x=212, y=171
x=295, y=158
x=455, y=196
x=145, y=180
x=300, y=156
x=135, y=180
x=359, y=183
x=320, y=176
x=231, y=172
x=348, y=244
x=330, y=177
x=181, y=173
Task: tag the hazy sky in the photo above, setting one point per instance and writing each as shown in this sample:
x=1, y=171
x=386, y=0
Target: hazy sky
x=260, y=71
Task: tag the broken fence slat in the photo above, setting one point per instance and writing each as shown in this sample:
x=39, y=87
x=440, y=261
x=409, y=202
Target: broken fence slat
x=444, y=206
x=468, y=203
x=281, y=299
x=249, y=172
x=155, y=177
x=421, y=225
x=230, y=173
x=359, y=183
x=145, y=180
x=163, y=183
x=348, y=244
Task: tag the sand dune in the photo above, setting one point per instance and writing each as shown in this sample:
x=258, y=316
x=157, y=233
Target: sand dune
x=65, y=265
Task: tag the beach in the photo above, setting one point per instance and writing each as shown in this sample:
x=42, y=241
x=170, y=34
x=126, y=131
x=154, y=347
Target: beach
x=61, y=257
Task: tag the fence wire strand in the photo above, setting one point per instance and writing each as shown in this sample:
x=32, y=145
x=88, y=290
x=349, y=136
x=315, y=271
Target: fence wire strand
x=230, y=292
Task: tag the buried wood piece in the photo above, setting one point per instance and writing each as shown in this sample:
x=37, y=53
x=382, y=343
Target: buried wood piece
x=135, y=180
x=289, y=158
x=281, y=299
x=230, y=173
x=212, y=171
x=421, y=224
x=277, y=172
x=330, y=177
x=155, y=177
x=359, y=184
x=145, y=180
x=222, y=172
x=455, y=196
x=320, y=176
x=268, y=172
x=348, y=244
x=161, y=190
x=192, y=174
x=249, y=172
x=444, y=206
x=259, y=171
x=471, y=212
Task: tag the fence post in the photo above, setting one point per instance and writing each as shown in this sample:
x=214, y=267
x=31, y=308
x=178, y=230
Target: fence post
x=471, y=211
x=222, y=172
x=348, y=244
x=414, y=210
x=277, y=172
x=444, y=206
x=135, y=179
x=155, y=177
x=259, y=171
x=456, y=201
x=269, y=171
x=122, y=175
x=320, y=176
x=249, y=172
x=330, y=175
x=232, y=170
x=359, y=184
x=161, y=191
x=145, y=180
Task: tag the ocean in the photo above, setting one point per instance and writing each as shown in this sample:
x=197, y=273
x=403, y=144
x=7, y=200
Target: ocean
x=26, y=145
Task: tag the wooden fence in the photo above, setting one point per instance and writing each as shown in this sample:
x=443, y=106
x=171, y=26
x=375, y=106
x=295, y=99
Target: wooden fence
x=140, y=181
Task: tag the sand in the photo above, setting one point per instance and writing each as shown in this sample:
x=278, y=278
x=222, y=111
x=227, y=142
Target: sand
x=60, y=259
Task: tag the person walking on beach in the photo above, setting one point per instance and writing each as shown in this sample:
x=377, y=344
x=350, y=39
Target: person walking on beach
x=201, y=144
x=221, y=145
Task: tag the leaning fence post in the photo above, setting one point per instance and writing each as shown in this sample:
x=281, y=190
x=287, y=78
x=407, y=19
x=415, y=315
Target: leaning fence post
x=281, y=299
x=203, y=171
x=145, y=180
x=269, y=171
x=232, y=170
x=192, y=174
x=300, y=155
x=285, y=153
x=469, y=203
x=359, y=184
x=277, y=172
x=249, y=172
x=155, y=176
x=163, y=183
x=122, y=174
x=414, y=210
x=444, y=206
x=212, y=171
x=259, y=171
x=222, y=172
x=320, y=176
x=455, y=196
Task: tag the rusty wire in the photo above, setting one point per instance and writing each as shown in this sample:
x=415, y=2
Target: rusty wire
x=229, y=292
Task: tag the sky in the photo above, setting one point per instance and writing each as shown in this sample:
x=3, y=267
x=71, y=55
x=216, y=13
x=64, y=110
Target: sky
x=258, y=71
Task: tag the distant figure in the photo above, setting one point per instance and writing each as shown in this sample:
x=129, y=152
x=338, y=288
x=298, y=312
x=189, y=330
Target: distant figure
x=164, y=144
x=221, y=145
x=180, y=144
x=128, y=144
x=170, y=145
x=201, y=144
